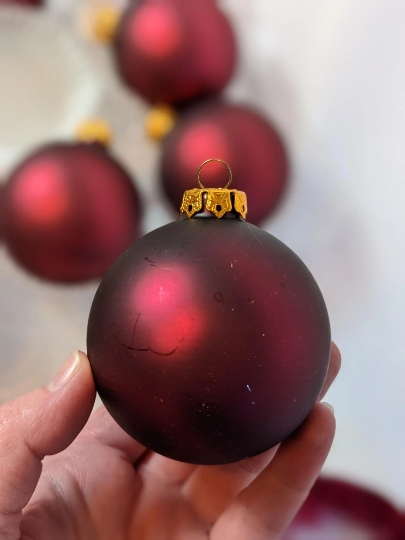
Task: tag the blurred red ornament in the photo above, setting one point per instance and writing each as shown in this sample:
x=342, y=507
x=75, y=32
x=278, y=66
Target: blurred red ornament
x=209, y=339
x=21, y=2
x=1, y=212
x=174, y=51
x=337, y=510
x=237, y=135
x=70, y=210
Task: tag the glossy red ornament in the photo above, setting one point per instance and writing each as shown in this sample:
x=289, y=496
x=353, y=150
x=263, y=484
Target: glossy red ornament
x=174, y=51
x=337, y=510
x=209, y=340
x=237, y=135
x=70, y=210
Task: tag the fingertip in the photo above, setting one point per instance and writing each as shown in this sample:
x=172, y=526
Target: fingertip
x=329, y=407
x=75, y=375
x=322, y=415
x=321, y=427
x=65, y=404
x=86, y=373
x=317, y=431
x=333, y=370
x=335, y=357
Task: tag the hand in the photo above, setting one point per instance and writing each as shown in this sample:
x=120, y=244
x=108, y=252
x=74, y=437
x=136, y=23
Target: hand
x=99, y=484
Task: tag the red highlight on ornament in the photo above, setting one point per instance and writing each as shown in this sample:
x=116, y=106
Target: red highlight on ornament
x=163, y=299
x=42, y=196
x=156, y=31
x=201, y=140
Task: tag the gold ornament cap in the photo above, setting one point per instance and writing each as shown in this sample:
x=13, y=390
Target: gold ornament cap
x=95, y=130
x=218, y=201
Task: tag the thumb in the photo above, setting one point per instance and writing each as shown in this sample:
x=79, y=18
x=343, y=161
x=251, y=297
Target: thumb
x=35, y=425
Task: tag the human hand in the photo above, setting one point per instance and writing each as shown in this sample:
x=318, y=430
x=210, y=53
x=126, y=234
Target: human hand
x=100, y=484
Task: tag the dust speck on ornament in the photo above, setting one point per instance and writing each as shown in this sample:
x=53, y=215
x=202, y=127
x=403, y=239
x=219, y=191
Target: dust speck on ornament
x=248, y=387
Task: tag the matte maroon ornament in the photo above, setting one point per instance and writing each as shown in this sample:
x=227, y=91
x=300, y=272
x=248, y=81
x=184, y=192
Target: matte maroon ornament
x=174, y=51
x=70, y=210
x=237, y=135
x=209, y=338
x=1, y=212
x=337, y=510
x=21, y=2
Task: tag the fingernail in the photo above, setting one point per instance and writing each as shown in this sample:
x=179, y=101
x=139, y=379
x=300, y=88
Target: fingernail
x=329, y=406
x=65, y=373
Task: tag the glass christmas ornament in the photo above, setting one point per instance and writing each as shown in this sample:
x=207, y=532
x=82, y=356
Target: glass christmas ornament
x=337, y=510
x=71, y=209
x=175, y=51
x=31, y=3
x=238, y=135
x=209, y=339
x=1, y=212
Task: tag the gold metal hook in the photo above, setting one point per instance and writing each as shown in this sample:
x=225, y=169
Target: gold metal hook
x=220, y=161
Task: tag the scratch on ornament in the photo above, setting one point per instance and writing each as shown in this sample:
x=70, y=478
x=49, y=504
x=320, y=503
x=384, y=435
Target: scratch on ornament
x=148, y=349
x=150, y=261
x=257, y=238
x=313, y=375
x=134, y=330
x=214, y=272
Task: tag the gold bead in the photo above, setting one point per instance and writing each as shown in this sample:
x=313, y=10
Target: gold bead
x=160, y=121
x=104, y=23
x=95, y=130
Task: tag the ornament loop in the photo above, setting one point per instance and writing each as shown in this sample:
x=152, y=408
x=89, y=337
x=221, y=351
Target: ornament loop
x=220, y=161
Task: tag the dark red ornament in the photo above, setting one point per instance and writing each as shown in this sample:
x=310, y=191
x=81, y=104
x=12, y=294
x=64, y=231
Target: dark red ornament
x=337, y=510
x=70, y=210
x=1, y=212
x=237, y=135
x=174, y=51
x=21, y=2
x=209, y=339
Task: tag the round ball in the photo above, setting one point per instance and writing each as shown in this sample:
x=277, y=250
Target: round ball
x=21, y=2
x=70, y=210
x=238, y=136
x=1, y=212
x=175, y=51
x=339, y=510
x=209, y=340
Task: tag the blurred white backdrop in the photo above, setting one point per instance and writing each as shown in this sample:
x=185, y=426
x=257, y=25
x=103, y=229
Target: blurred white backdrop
x=331, y=76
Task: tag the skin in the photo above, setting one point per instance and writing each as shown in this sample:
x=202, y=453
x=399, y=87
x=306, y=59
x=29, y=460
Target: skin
x=98, y=483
